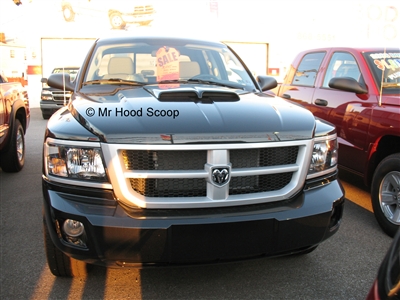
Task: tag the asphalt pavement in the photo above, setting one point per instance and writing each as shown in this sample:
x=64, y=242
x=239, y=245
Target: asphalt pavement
x=343, y=267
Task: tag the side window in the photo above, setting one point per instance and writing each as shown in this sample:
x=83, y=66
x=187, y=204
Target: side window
x=308, y=69
x=342, y=64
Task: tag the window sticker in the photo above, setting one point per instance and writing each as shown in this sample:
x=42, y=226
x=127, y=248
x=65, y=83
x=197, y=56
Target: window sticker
x=167, y=65
x=386, y=61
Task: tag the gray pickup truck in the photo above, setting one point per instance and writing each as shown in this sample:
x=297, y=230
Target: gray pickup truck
x=169, y=153
x=14, y=121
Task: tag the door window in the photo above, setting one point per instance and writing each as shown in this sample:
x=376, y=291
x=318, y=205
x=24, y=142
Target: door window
x=308, y=69
x=342, y=64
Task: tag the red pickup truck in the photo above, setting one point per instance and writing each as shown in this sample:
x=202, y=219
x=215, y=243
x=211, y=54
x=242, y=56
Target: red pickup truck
x=14, y=121
x=357, y=90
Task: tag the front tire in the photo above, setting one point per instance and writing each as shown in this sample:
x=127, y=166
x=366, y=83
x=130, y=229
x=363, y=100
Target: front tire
x=60, y=264
x=46, y=116
x=385, y=194
x=116, y=20
x=13, y=159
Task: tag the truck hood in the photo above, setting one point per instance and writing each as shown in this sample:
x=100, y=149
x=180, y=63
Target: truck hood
x=188, y=114
x=391, y=99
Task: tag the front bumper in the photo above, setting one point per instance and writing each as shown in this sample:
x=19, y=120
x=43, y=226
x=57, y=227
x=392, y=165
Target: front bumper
x=135, y=18
x=120, y=236
x=50, y=106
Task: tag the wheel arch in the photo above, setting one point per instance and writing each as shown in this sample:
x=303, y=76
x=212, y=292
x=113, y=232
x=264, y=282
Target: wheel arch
x=17, y=112
x=385, y=146
x=20, y=115
x=111, y=11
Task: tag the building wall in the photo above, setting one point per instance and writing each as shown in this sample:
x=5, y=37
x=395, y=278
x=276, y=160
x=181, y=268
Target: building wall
x=12, y=60
x=282, y=28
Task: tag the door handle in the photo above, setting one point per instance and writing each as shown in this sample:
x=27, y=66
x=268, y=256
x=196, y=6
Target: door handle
x=321, y=102
x=286, y=96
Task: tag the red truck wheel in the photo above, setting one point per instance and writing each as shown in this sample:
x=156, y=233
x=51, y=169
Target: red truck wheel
x=385, y=194
x=14, y=158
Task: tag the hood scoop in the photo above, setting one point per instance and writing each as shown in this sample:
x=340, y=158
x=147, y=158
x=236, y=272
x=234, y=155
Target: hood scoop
x=193, y=94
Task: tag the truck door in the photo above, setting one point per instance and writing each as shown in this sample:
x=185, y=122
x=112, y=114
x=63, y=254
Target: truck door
x=349, y=112
x=299, y=86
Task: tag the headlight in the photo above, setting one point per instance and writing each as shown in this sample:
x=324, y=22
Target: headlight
x=324, y=157
x=82, y=163
x=47, y=95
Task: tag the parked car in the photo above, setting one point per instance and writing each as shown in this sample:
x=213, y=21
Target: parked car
x=14, y=121
x=169, y=154
x=357, y=90
x=387, y=283
x=52, y=99
x=119, y=12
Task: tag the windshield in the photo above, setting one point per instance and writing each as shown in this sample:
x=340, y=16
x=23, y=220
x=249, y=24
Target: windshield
x=71, y=71
x=385, y=67
x=167, y=63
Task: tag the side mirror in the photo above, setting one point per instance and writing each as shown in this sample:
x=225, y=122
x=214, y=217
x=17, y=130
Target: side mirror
x=266, y=82
x=43, y=80
x=347, y=84
x=61, y=81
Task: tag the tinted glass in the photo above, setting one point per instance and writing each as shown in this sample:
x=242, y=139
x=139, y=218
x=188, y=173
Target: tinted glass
x=71, y=71
x=342, y=64
x=385, y=67
x=308, y=69
x=157, y=63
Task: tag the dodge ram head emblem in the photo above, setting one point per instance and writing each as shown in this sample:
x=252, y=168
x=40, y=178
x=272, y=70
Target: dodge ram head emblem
x=220, y=176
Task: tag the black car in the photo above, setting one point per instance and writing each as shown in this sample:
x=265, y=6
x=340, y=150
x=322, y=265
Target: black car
x=169, y=153
x=387, y=282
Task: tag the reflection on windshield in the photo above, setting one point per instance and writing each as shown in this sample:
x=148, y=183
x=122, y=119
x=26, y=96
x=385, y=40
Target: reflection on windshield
x=68, y=70
x=167, y=65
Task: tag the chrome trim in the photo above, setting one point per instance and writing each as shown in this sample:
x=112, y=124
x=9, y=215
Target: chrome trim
x=56, y=142
x=85, y=183
x=322, y=173
x=218, y=155
x=323, y=138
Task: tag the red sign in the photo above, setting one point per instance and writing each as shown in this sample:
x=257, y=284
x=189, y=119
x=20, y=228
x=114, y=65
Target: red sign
x=34, y=70
x=273, y=71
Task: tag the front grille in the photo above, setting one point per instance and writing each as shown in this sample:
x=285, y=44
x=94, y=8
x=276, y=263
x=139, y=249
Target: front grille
x=164, y=160
x=253, y=158
x=58, y=96
x=178, y=161
x=258, y=184
x=196, y=187
x=144, y=9
x=195, y=160
x=169, y=187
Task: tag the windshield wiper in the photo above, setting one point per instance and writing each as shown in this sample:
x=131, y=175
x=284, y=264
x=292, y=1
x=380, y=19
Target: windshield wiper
x=219, y=83
x=202, y=81
x=114, y=81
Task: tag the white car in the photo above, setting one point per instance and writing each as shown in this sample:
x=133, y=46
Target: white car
x=119, y=13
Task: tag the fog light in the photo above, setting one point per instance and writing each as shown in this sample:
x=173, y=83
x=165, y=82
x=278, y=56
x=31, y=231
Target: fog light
x=73, y=228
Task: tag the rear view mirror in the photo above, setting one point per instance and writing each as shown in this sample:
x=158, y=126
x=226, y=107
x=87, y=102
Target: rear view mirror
x=347, y=84
x=266, y=82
